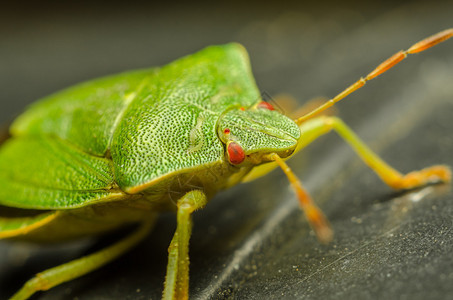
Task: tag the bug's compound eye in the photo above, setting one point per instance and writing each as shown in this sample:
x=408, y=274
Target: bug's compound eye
x=265, y=105
x=242, y=108
x=236, y=154
x=226, y=131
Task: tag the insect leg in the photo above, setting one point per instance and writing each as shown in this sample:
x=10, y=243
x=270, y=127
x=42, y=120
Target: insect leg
x=389, y=175
x=314, y=215
x=177, y=278
x=76, y=268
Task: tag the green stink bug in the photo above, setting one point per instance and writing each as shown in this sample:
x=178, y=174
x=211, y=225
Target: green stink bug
x=114, y=151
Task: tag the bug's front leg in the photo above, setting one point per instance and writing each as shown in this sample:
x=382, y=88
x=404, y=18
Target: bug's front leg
x=177, y=278
x=319, y=126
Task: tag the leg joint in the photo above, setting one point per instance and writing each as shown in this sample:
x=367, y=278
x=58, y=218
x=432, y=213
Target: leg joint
x=192, y=201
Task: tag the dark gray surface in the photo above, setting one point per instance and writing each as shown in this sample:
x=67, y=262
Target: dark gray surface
x=252, y=242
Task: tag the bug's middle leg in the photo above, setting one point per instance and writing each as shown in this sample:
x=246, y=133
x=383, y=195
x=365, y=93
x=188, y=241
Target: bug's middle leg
x=177, y=278
x=319, y=126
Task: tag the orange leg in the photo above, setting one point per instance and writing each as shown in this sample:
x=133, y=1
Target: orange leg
x=314, y=215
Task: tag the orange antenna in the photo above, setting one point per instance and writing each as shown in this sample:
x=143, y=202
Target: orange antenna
x=383, y=67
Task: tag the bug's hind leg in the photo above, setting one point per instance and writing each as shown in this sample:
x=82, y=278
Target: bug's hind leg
x=319, y=126
x=177, y=278
x=78, y=267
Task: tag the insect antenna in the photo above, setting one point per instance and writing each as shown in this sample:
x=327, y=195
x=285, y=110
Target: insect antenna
x=383, y=67
x=314, y=215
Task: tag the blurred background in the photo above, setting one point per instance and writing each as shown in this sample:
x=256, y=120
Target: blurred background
x=252, y=242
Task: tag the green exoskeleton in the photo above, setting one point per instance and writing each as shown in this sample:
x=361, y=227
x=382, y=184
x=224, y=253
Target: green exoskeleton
x=113, y=151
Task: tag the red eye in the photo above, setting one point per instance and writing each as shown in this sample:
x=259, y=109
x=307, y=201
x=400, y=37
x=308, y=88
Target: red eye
x=266, y=105
x=235, y=153
x=226, y=131
x=242, y=108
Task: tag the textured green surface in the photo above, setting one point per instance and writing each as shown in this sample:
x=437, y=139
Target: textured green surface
x=260, y=130
x=84, y=114
x=171, y=125
x=47, y=173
